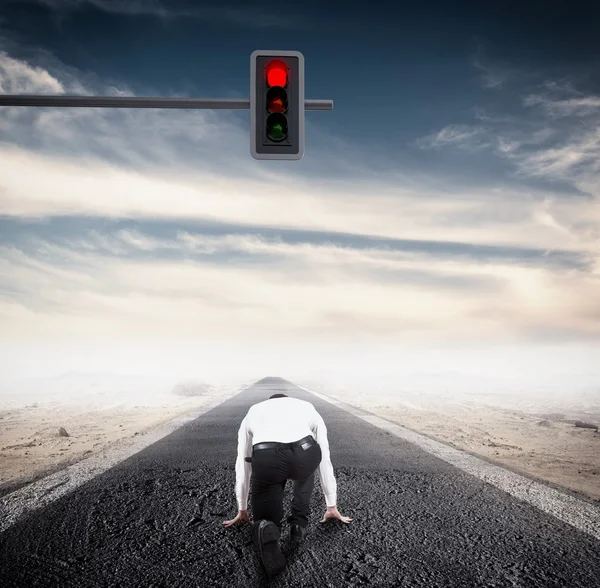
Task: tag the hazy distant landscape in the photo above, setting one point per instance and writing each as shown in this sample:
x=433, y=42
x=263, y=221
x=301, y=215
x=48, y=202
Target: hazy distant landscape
x=102, y=391
x=575, y=394
x=95, y=412
x=525, y=424
x=529, y=427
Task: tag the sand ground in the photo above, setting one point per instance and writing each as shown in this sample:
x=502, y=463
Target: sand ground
x=534, y=436
x=30, y=444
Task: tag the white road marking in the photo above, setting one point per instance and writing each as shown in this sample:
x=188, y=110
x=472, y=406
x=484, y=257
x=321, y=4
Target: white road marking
x=33, y=496
x=580, y=514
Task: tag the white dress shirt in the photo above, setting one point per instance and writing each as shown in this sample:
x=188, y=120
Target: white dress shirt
x=283, y=420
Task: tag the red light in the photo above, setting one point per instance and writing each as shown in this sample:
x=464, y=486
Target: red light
x=277, y=73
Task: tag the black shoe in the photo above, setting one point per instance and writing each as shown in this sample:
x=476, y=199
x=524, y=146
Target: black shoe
x=297, y=533
x=268, y=545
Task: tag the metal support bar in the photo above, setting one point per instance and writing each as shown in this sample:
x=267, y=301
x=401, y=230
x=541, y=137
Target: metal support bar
x=141, y=102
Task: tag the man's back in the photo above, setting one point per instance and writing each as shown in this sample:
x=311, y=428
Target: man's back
x=279, y=439
x=284, y=420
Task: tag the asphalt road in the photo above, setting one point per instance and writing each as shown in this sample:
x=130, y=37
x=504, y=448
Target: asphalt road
x=156, y=520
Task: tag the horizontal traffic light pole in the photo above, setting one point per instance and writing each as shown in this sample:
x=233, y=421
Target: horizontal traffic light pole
x=142, y=102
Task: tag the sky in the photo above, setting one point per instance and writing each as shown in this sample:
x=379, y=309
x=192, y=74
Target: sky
x=445, y=216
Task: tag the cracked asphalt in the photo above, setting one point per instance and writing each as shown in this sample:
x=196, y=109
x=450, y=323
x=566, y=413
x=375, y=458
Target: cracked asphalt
x=155, y=520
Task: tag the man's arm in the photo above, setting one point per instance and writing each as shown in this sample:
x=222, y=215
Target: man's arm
x=326, y=475
x=242, y=467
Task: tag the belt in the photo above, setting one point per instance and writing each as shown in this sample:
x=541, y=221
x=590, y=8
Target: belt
x=304, y=443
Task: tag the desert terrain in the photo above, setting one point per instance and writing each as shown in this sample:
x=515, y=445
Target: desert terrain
x=534, y=434
x=77, y=417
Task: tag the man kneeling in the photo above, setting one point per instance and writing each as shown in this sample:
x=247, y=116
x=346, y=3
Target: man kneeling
x=282, y=439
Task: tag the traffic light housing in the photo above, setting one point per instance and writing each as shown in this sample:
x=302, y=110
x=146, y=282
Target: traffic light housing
x=277, y=105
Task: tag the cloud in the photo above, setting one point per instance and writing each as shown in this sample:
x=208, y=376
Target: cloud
x=580, y=107
x=581, y=151
x=247, y=17
x=297, y=290
x=492, y=76
x=575, y=152
x=482, y=114
x=569, y=153
x=512, y=140
x=461, y=136
x=18, y=77
x=133, y=7
x=159, y=164
x=89, y=187
x=511, y=137
x=537, y=142
x=304, y=246
x=506, y=145
x=133, y=226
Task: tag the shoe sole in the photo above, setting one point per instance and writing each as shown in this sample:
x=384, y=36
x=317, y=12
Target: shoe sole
x=273, y=560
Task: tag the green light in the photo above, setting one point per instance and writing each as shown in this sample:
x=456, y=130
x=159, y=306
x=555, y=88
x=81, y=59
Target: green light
x=277, y=128
x=276, y=132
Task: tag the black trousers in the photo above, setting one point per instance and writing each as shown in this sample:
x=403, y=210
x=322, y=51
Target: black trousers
x=271, y=469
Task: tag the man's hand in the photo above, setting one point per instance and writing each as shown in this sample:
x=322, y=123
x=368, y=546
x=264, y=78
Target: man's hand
x=241, y=517
x=333, y=513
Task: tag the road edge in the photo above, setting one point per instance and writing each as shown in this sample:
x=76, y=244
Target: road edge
x=578, y=513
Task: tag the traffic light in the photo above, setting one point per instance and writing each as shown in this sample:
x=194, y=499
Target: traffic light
x=277, y=105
